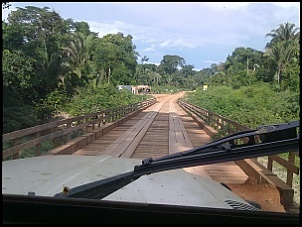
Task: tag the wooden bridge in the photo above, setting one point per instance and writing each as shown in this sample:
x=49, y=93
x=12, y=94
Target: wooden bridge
x=161, y=129
x=153, y=128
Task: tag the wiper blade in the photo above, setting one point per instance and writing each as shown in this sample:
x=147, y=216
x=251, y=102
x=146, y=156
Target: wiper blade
x=266, y=133
x=266, y=140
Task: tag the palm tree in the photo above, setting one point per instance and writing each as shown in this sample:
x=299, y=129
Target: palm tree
x=285, y=32
x=78, y=53
x=139, y=70
x=158, y=77
x=98, y=78
x=285, y=45
x=48, y=67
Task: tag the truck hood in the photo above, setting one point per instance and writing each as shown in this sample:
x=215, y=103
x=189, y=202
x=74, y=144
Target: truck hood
x=48, y=175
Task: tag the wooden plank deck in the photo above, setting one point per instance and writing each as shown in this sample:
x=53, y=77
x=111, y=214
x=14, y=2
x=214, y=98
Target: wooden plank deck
x=227, y=172
x=159, y=130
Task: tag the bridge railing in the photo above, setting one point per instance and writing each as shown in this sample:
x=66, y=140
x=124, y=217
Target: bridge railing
x=54, y=134
x=225, y=126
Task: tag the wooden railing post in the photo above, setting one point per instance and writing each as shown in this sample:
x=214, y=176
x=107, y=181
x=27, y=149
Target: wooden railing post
x=290, y=173
x=16, y=143
x=269, y=163
x=38, y=146
x=104, y=118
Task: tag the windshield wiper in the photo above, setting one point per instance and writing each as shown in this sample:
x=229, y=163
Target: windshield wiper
x=264, y=141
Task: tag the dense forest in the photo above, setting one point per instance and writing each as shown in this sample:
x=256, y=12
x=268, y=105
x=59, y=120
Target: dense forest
x=53, y=65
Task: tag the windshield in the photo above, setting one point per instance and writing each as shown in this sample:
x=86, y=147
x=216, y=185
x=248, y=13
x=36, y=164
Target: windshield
x=191, y=105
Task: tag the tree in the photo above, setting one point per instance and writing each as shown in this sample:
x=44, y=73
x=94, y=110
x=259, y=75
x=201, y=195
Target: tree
x=187, y=70
x=82, y=27
x=105, y=58
x=17, y=70
x=40, y=26
x=144, y=59
x=12, y=36
x=41, y=33
x=284, y=46
x=284, y=32
x=78, y=53
x=116, y=55
x=169, y=63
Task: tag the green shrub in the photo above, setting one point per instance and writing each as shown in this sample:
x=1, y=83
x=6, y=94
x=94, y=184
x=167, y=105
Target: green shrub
x=88, y=100
x=254, y=105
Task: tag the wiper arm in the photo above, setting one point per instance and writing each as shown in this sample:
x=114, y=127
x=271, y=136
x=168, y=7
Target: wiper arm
x=266, y=140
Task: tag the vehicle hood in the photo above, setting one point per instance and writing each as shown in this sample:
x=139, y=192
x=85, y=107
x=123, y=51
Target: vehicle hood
x=48, y=175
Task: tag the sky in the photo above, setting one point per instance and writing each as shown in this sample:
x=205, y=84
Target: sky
x=202, y=33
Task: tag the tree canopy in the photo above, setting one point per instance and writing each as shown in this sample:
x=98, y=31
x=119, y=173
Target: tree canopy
x=47, y=57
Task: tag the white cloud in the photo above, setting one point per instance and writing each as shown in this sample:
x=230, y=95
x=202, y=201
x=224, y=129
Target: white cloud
x=149, y=62
x=240, y=5
x=226, y=5
x=179, y=43
x=152, y=48
x=287, y=4
x=211, y=62
x=104, y=28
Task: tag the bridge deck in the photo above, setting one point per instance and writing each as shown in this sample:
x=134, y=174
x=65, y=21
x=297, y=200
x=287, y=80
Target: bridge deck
x=162, y=129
